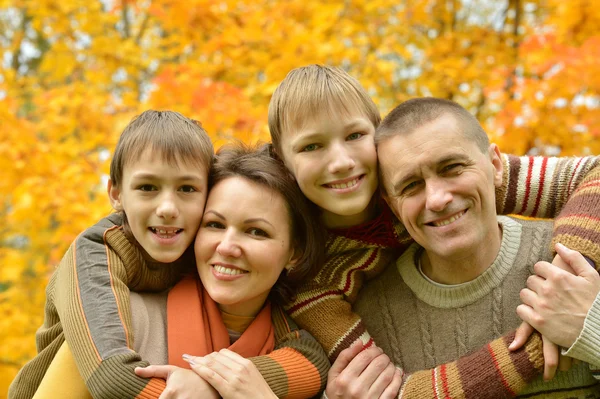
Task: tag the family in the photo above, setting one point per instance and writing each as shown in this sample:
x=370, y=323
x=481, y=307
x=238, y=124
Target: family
x=352, y=257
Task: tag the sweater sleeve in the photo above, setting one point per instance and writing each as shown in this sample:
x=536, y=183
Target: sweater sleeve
x=490, y=372
x=298, y=366
x=587, y=346
x=567, y=189
x=93, y=305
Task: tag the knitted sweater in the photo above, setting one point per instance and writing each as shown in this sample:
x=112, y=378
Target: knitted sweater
x=87, y=304
x=532, y=186
x=420, y=323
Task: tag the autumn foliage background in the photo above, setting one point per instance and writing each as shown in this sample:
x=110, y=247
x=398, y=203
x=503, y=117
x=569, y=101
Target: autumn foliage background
x=74, y=72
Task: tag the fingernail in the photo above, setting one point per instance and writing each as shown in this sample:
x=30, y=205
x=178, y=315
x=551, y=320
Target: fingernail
x=562, y=246
x=188, y=358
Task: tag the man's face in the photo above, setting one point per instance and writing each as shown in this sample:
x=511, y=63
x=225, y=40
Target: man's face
x=441, y=185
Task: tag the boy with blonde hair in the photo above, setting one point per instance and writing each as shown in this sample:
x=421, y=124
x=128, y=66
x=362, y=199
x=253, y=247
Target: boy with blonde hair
x=322, y=125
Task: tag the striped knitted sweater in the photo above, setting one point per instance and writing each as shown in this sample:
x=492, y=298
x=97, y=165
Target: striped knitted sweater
x=532, y=186
x=87, y=304
x=420, y=323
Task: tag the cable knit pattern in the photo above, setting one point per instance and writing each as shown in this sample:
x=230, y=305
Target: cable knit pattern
x=443, y=307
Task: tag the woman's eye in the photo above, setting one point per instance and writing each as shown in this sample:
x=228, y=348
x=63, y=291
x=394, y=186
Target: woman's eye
x=257, y=232
x=354, y=136
x=187, y=189
x=147, y=187
x=214, y=225
x=310, y=147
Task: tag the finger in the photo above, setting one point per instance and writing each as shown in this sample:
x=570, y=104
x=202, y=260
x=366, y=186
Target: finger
x=564, y=363
x=221, y=365
x=528, y=297
x=392, y=389
x=551, y=354
x=534, y=283
x=528, y=315
x=521, y=336
x=559, y=262
x=574, y=259
x=210, y=376
x=383, y=378
x=545, y=269
x=154, y=371
x=345, y=357
x=361, y=362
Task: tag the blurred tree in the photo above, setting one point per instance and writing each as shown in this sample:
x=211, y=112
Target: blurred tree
x=73, y=73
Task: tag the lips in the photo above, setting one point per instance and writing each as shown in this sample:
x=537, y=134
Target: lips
x=345, y=183
x=165, y=232
x=447, y=221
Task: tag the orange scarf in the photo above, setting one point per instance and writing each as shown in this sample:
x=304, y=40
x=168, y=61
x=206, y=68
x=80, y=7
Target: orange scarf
x=195, y=326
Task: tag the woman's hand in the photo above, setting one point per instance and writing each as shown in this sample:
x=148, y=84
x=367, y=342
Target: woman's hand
x=181, y=383
x=359, y=373
x=231, y=375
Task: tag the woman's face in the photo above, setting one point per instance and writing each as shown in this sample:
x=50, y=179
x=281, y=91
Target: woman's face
x=243, y=244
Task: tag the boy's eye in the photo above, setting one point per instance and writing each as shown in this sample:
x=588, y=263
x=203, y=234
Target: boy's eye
x=354, y=136
x=257, y=232
x=310, y=147
x=187, y=189
x=147, y=187
x=214, y=225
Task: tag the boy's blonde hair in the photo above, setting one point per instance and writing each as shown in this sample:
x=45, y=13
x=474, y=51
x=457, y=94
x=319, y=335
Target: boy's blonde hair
x=171, y=134
x=307, y=91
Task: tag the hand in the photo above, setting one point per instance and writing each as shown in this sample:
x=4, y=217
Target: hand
x=556, y=302
x=359, y=373
x=181, y=383
x=553, y=359
x=231, y=375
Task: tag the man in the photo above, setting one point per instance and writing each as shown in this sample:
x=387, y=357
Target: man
x=458, y=287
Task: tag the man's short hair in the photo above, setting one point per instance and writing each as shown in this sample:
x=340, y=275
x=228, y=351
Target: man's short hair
x=414, y=113
x=309, y=90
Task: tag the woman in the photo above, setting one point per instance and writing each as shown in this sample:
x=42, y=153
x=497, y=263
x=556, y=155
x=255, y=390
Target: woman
x=257, y=241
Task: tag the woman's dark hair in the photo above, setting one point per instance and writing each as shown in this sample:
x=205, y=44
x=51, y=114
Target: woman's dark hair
x=259, y=165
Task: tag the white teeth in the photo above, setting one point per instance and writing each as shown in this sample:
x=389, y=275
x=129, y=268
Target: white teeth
x=448, y=221
x=351, y=183
x=226, y=270
x=165, y=233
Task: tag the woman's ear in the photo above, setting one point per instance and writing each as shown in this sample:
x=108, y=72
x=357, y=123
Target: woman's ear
x=294, y=258
x=114, y=195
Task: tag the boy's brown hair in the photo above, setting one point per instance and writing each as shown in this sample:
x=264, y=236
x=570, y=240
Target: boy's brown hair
x=307, y=91
x=171, y=134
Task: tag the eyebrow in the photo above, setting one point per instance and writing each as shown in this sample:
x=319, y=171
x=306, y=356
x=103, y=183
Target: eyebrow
x=144, y=175
x=313, y=135
x=247, y=221
x=446, y=159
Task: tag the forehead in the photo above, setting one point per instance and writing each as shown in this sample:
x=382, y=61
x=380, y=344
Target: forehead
x=160, y=160
x=426, y=147
x=258, y=200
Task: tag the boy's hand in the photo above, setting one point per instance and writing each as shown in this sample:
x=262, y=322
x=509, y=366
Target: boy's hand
x=232, y=375
x=555, y=301
x=181, y=383
x=359, y=373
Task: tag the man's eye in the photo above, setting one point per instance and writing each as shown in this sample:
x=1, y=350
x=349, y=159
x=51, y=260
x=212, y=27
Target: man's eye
x=187, y=189
x=410, y=187
x=354, y=136
x=310, y=148
x=451, y=167
x=257, y=232
x=147, y=187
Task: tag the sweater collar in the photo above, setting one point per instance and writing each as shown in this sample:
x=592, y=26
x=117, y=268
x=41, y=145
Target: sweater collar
x=444, y=296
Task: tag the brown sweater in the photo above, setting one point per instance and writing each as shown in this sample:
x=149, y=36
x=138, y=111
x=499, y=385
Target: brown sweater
x=421, y=324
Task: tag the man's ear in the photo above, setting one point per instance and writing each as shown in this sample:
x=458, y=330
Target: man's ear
x=496, y=159
x=114, y=195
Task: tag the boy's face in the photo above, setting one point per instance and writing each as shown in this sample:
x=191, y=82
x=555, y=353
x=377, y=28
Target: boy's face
x=163, y=203
x=335, y=163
